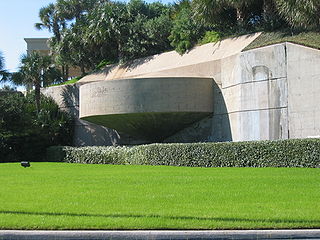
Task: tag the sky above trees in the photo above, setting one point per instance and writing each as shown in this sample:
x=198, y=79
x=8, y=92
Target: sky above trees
x=17, y=19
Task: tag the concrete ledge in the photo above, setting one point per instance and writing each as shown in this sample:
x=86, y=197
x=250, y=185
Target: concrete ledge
x=217, y=234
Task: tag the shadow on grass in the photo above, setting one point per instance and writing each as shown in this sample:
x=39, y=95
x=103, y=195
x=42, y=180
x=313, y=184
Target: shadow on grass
x=218, y=219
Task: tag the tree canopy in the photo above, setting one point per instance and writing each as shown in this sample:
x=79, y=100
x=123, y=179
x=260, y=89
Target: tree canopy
x=4, y=74
x=36, y=70
x=89, y=32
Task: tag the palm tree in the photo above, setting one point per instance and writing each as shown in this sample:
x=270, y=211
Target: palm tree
x=51, y=19
x=37, y=70
x=74, y=9
x=4, y=74
x=223, y=12
x=298, y=13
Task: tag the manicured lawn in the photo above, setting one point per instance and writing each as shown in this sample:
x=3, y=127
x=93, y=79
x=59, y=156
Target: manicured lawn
x=75, y=196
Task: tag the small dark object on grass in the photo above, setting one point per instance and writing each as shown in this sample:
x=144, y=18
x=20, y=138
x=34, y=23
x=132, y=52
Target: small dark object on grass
x=25, y=164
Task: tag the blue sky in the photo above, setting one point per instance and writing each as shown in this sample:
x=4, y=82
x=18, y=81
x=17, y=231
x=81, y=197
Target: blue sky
x=17, y=18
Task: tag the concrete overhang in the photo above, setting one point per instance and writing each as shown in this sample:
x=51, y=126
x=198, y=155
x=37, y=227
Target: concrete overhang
x=148, y=108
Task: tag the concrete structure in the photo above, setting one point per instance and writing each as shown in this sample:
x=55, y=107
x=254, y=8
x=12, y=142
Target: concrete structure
x=256, y=94
x=147, y=108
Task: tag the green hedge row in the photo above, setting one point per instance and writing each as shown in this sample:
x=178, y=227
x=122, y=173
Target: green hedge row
x=281, y=153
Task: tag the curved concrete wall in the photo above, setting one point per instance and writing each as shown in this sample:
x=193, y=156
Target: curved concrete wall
x=261, y=94
x=152, y=108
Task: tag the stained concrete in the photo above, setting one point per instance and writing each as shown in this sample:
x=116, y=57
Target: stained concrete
x=304, y=91
x=198, y=62
x=250, y=98
x=147, y=108
x=86, y=133
x=266, y=93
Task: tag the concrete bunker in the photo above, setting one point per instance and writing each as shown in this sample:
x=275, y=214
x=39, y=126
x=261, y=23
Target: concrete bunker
x=147, y=108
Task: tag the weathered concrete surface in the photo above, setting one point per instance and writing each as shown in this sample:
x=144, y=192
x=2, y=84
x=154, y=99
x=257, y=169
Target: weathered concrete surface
x=250, y=99
x=153, y=108
x=195, y=63
x=255, y=92
x=85, y=133
x=165, y=234
x=304, y=91
x=261, y=94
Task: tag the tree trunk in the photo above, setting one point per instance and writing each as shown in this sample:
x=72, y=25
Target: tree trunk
x=37, y=95
x=63, y=70
x=67, y=72
x=240, y=16
x=83, y=70
x=120, y=53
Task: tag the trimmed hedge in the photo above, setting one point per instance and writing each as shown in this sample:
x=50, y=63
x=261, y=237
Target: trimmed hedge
x=281, y=153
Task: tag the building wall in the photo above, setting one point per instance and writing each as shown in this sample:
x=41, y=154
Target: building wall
x=304, y=91
x=250, y=99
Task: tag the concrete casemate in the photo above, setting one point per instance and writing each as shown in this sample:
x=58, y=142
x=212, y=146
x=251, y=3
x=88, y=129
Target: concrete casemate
x=266, y=93
x=148, y=108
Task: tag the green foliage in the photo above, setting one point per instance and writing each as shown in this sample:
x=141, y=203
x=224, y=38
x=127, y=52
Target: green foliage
x=309, y=39
x=102, y=64
x=185, y=31
x=112, y=32
x=14, y=113
x=300, y=14
x=4, y=74
x=89, y=155
x=36, y=70
x=71, y=81
x=87, y=32
x=25, y=133
x=210, y=36
x=8, y=88
x=282, y=153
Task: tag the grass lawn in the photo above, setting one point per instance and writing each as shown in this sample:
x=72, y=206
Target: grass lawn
x=75, y=196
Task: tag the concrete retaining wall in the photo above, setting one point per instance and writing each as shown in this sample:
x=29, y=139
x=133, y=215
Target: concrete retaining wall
x=261, y=94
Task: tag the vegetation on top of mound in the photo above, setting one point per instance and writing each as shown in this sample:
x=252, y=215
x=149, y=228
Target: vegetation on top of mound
x=85, y=33
x=71, y=81
x=308, y=39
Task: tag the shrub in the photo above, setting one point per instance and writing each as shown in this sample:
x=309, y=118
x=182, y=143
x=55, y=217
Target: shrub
x=25, y=134
x=281, y=153
x=185, y=32
x=210, y=36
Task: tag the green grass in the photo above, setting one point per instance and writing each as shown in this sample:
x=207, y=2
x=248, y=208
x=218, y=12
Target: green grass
x=75, y=196
x=309, y=39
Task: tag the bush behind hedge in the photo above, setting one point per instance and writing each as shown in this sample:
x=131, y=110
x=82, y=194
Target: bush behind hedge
x=281, y=153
